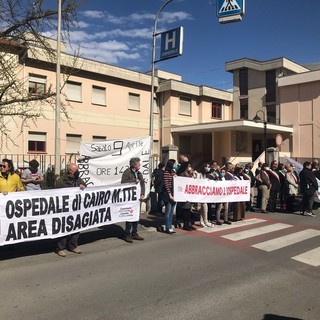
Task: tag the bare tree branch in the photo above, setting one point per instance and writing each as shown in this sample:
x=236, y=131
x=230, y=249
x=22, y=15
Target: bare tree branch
x=22, y=25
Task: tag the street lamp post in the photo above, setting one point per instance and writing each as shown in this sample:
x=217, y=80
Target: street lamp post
x=258, y=119
x=152, y=82
x=57, y=126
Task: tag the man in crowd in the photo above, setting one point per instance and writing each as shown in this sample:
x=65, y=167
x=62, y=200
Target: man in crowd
x=275, y=185
x=133, y=175
x=69, y=179
x=158, y=184
x=308, y=186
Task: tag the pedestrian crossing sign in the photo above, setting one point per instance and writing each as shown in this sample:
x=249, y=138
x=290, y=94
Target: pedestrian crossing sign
x=230, y=10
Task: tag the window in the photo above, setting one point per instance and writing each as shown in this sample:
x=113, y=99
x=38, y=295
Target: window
x=99, y=96
x=271, y=86
x=155, y=147
x=271, y=114
x=185, y=106
x=244, y=109
x=99, y=138
x=134, y=101
x=73, y=143
x=37, y=84
x=74, y=91
x=37, y=141
x=216, y=110
x=185, y=144
x=243, y=82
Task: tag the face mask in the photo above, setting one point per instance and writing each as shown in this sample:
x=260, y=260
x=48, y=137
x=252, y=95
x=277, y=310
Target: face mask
x=208, y=169
x=222, y=174
x=74, y=175
x=267, y=168
x=189, y=169
x=175, y=167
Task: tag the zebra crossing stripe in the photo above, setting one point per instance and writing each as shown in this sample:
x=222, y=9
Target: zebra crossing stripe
x=237, y=224
x=311, y=257
x=287, y=240
x=256, y=231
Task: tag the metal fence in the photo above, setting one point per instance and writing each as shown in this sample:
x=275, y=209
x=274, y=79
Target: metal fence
x=46, y=164
x=46, y=161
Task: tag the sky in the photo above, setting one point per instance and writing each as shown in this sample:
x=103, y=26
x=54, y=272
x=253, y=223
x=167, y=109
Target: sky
x=119, y=32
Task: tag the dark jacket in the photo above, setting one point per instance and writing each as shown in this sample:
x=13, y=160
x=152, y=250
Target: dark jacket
x=158, y=180
x=308, y=181
x=275, y=180
x=130, y=176
x=66, y=182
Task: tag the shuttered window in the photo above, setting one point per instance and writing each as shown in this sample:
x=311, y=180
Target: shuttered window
x=73, y=143
x=74, y=91
x=98, y=96
x=134, y=101
x=185, y=106
x=99, y=138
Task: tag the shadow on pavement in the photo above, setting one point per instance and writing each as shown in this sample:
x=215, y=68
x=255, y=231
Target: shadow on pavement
x=276, y=317
x=31, y=248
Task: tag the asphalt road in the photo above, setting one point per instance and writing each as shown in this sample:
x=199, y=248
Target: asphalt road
x=195, y=275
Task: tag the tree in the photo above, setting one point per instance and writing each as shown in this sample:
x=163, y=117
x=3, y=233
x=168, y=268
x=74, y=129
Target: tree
x=23, y=24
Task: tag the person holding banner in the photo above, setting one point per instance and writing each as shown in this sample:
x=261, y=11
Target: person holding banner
x=32, y=177
x=69, y=179
x=185, y=170
x=224, y=205
x=9, y=180
x=205, y=170
x=168, y=198
x=133, y=175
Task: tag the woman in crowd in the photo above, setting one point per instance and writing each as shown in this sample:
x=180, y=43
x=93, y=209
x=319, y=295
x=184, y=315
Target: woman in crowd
x=168, y=197
x=185, y=170
x=239, y=207
x=293, y=186
x=220, y=206
x=9, y=180
x=205, y=170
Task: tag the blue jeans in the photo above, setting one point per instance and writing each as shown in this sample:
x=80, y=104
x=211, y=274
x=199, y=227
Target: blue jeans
x=169, y=215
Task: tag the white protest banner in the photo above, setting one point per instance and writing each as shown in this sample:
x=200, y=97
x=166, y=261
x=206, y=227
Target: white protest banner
x=205, y=190
x=104, y=162
x=43, y=214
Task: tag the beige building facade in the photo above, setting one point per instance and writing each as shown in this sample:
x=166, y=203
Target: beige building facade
x=204, y=123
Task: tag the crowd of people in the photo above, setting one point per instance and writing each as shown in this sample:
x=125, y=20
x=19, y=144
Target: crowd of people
x=273, y=188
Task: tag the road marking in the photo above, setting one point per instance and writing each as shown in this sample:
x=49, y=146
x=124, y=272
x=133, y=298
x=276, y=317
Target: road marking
x=311, y=257
x=256, y=231
x=237, y=224
x=287, y=240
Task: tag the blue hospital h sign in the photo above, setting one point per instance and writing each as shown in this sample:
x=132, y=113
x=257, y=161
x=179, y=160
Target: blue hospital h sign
x=171, y=43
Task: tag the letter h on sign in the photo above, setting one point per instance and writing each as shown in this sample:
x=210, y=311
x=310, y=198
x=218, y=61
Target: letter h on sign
x=171, y=40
